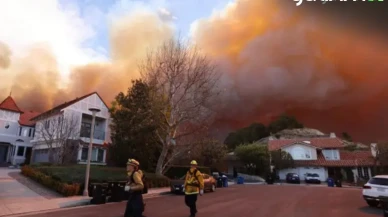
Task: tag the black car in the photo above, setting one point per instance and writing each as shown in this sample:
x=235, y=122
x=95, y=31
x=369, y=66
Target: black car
x=292, y=178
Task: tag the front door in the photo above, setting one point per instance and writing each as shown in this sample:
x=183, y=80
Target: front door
x=28, y=155
x=3, y=153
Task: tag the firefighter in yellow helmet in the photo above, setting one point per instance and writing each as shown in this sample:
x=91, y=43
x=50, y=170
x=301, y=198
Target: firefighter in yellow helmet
x=194, y=185
x=135, y=185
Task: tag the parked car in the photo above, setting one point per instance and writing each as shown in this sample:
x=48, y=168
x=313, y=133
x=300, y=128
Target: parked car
x=312, y=178
x=177, y=186
x=292, y=178
x=375, y=187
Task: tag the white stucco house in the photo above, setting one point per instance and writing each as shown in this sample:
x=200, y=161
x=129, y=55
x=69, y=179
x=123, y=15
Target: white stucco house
x=323, y=156
x=77, y=110
x=16, y=131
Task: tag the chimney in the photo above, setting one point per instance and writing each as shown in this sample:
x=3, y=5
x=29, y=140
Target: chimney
x=332, y=135
x=373, y=147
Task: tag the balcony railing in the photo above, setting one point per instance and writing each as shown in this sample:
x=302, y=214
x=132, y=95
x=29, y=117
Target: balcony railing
x=98, y=134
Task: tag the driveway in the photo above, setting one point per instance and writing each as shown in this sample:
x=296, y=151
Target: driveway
x=247, y=201
x=15, y=189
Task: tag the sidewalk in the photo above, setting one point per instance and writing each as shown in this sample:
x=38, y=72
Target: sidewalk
x=66, y=202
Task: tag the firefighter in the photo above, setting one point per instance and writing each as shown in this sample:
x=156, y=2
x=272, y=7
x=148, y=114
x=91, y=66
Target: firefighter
x=134, y=186
x=194, y=185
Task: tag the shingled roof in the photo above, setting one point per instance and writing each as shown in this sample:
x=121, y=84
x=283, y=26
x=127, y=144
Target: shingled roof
x=320, y=143
x=347, y=159
x=25, y=118
x=10, y=105
x=57, y=109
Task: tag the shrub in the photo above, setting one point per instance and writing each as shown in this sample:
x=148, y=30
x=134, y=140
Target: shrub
x=46, y=180
x=68, y=180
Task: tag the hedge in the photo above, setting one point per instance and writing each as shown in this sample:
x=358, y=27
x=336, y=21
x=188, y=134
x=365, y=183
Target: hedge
x=69, y=180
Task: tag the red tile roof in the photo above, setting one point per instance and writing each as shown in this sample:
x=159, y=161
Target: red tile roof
x=25, y=118
x=57, y=109
x=10, y=105
x=320, y=143
x=347, y=159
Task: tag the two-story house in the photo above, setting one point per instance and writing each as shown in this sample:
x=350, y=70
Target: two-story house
x=77, y=112
x=16, y=131
x=323, y=156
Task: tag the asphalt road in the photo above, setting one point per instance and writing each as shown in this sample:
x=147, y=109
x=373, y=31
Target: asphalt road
x=247, y=201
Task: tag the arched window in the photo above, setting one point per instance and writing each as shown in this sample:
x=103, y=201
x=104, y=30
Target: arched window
x=298, y=153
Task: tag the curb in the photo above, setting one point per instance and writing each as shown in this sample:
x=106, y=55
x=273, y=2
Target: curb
x=70, y=205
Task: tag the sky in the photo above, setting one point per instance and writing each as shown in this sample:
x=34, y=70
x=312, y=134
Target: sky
x=325, y=64
x=77, y=30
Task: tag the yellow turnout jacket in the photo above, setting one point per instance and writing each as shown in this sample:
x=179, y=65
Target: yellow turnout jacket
x=193, y=182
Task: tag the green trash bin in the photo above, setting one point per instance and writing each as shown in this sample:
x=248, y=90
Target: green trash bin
x=384, y=205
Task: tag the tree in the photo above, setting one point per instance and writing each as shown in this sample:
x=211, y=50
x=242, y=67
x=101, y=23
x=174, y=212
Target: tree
x=209, y=152
x=346, y=136
x=246, y=135
x=184, y=88
x=381, y=159
x=254, y=157
x=60, y=133
x=284, y=122
x=281, y=160
x=134, y=126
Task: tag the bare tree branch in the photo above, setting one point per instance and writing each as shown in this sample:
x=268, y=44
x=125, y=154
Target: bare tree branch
x=184, y=83
x=60, y=133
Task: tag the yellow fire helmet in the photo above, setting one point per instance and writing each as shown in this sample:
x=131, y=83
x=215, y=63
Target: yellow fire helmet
x=193, y=162
x=133, y=162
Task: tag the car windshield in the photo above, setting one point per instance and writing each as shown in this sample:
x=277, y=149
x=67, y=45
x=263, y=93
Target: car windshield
x=314, y=175
x=294, y=175
x=378, y=181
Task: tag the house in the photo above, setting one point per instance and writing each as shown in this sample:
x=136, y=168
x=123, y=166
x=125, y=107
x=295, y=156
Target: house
x=75, y=120
x=16, y=131
x=326, y=157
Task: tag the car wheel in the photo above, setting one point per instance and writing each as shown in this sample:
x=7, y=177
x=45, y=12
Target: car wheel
x=372, y=203
x=213, y=189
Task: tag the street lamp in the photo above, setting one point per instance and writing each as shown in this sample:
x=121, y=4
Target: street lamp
x=86, y=190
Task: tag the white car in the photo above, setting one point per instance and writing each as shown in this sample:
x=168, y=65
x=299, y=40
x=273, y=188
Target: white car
x=376, y=186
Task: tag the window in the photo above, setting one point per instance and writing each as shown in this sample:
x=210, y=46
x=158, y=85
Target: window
x=366, y=172
x=20, y=131
x=30, y=132
x=20, y=152
x=47, y=124
x=100, y=155
x=378, y=181
x=25, y=132
x=331, y=154
x=85, y=129
x=84, y=154
x=307, y=154
x=299, y=153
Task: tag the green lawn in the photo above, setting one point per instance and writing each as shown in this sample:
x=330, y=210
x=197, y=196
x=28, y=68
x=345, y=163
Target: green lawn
x=76, y=173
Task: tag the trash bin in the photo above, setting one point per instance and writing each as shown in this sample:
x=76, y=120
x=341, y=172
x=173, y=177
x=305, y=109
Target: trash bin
x=384, y=205
x=270, y=180
x=99, y=194
x=117, y=191
x=240, y=180
x=338, y=183
x=224, y=181
x=219, y=182
x=330, y=182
